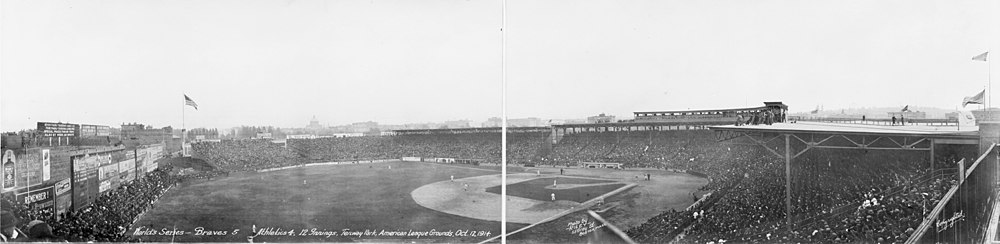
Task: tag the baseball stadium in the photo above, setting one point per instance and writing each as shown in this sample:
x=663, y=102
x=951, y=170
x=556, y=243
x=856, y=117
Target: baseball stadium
x=693, y=176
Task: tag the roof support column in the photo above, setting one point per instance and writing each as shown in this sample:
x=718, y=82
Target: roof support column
x=788, y=182
x=932, y=155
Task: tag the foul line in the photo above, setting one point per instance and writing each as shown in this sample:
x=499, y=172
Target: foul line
x=582, y=206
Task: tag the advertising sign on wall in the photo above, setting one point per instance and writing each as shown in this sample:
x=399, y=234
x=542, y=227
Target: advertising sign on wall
x=46, y=165
x=49, y=129
x=37, y=198
x=9, y=171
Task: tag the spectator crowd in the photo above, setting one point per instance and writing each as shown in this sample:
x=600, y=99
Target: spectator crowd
x=107, y=219
x=837, y=195
x=484, y=147
x=245, y=155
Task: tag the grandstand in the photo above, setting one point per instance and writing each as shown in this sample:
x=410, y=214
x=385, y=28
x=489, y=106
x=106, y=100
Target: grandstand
x=842, y=182
x=764, y=181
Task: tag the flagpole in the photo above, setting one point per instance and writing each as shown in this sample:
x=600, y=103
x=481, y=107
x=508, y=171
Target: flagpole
x=183, y=129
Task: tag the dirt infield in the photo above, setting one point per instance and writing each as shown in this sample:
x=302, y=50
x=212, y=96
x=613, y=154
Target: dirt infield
x=530, y=211
x=478, y=196
x=665, y=190
x=463, y=197
x=576, y=190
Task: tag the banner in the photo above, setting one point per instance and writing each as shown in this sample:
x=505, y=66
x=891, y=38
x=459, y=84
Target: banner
x=85, y=184
x=46, y=165
x=104, y=186
x=151, y=154
x=9, y=172
x=108, y=176
x=38, y=198
x=63, y=204
x=62, y=187
x=64, y=198
x=442, y=160
x=29, y=168
x=126, y=170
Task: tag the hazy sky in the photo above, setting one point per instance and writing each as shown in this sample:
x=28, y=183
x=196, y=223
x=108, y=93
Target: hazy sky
x=281, y=62
x=249, y=62
x=622, y=56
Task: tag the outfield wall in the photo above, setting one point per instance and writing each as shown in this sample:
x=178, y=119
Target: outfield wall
x=329, y=163
x=64, y=178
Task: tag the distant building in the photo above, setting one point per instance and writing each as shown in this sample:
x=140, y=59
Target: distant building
x=601, y=119
x=263, y=135
x=951, y=116
x=203, y=134
x=416, y=126
x=11, y=140
x=145, y=134
x=301, y=136
x=493, y=122
x=358, y=127
x=525, y=122
x=362, y=127
x=909, y=114
x=457, y=124
x=314, y=124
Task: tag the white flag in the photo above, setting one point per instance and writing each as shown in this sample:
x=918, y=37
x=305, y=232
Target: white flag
x=981, y=57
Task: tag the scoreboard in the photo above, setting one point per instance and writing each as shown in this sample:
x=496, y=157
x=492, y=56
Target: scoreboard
x=49, y=129
x=94, y=130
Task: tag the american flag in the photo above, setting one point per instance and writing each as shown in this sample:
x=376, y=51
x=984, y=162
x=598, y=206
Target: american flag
x=188, y=101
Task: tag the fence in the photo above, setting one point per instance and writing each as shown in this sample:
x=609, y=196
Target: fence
x=962, y=215
x=881, y=121
x=606, y=234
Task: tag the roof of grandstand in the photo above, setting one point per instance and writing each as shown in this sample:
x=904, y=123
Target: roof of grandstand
x=969, y=132
x=766, y=105
x=644, y=123
x=472, y=130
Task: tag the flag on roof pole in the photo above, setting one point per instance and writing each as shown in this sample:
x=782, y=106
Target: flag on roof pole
x=905, y=108
x=188, y=101
x=977, y=99
x=981, y=57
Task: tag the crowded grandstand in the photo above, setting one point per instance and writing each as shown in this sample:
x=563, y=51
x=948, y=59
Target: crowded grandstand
x=839, y=194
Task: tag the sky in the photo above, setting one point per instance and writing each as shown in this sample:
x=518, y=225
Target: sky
x=248, y=62
x=252, y=62
x=623, y=56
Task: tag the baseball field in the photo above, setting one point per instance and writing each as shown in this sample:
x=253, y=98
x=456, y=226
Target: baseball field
x=335, y=203
x=665, y=190
x=564, y=188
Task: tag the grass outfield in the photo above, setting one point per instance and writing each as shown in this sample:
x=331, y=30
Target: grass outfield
x=331, y=199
